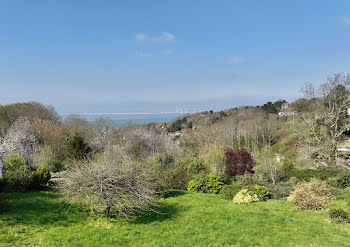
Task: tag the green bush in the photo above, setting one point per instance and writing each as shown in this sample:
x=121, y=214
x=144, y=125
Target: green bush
x=246, y=196
x=262, y=192
x=192, y=165
x=77, y=148
x=16, y=174
x=311, y=195
x=162, y=161
x=210, y=184
x=320, y=174
x=282, y=189
x=178, y=175
x=57, y=165
x=247, y=180
x=343, y=181
x=230, y=191
x=338, y=216
x=2, y=205
x=215, y=160
x=174, y=178
x=40, y=177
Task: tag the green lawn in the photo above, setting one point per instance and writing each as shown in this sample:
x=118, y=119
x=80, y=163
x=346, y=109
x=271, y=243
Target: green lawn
x=42, y=219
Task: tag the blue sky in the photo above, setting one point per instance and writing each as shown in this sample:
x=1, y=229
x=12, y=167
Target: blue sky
x=114, y=56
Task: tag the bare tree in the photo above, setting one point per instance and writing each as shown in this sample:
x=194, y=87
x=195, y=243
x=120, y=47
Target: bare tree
x=143, y=143
x=329, y=119
x=110, y=184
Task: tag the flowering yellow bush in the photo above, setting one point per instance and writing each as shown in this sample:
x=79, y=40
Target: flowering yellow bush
x=245, y=196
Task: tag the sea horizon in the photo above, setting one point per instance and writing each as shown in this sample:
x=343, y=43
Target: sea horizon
x=125, y=118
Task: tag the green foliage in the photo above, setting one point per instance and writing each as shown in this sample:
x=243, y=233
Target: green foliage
x=247, y=180
x=189, y=125
x=311, y=195
x=308, y=174
x=246, y=196
x=215, y=160
x=176, y=178
x=162, y=161
x=273, y=107
x=210, y=184
x=77, y=148
x=16, y=174
x=57, y=165
x=138, y=151
x=2, y=204
x=343, y=181
x=282, y=189
x=190, y=147
x=47, y=156
x=231, y=190
x=262, y=192
x=177, y=125
x=192, y=165
x=338, y=216
x=40, y=177
x=301, y=105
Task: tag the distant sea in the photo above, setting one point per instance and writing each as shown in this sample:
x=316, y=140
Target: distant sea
x=130, y=118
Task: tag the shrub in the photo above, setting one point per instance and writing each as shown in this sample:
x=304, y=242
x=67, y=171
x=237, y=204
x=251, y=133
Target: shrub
x=230, y=191
x=215, y=160
x=2, y=205
x=214, y=184
x=245, y=196
x=247, y=180
x=193, y=165
x=16, y=174
x=238, y=162
x=177, y=125
x=40, y=177
x=321, y=174
x=210, y=184
x=77, y=148
x=124, y=189
x=343, y=181
x=282, y=189
x=176, y=178
x=162, y=161
x=338, y=215
x=57, y=165
x=311, y=195
x=262, y=192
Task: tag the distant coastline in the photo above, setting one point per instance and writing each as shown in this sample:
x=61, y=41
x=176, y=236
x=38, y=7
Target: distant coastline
x=124, y=118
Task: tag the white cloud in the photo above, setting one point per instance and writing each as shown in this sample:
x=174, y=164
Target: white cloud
x=140, y=36
x=165, y=36
x=346, y=20
x=166, y=52
x=143, y=54
x=236, y=60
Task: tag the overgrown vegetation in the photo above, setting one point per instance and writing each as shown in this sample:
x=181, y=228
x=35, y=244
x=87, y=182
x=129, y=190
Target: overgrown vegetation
x=246, y=154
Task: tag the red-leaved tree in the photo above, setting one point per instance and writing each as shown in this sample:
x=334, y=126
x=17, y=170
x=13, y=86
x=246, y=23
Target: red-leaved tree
x=238, y=162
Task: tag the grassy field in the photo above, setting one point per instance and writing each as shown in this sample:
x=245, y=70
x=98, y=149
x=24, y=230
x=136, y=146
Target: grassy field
x=42, y=219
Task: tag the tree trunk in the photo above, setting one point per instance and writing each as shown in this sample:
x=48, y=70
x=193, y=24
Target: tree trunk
x=108, y=209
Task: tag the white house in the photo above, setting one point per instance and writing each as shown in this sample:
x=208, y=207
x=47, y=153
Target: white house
x=286, y=111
